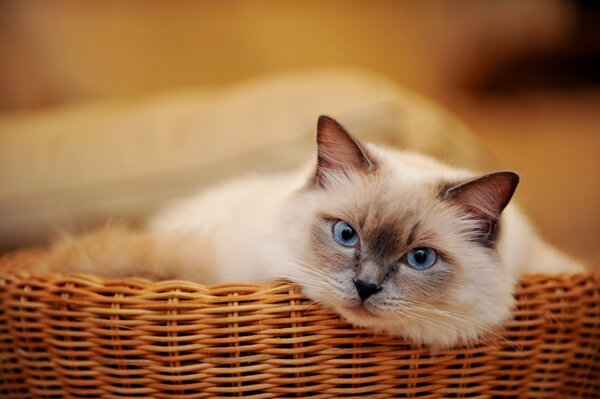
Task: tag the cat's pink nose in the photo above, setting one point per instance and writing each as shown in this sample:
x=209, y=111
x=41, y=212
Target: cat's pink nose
x=365, y=289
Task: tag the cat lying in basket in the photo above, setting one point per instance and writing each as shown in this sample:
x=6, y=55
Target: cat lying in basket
x=393, y=241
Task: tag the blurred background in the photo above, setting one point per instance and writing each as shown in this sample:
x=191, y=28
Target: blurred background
x=522, y=76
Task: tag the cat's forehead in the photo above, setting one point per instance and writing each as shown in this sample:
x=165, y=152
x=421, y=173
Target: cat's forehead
x=383, y=196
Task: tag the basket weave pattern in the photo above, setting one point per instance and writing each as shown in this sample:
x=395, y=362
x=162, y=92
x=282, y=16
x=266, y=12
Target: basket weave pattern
x=86, y=337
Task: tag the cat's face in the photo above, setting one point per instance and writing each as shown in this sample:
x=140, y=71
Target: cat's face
x=396, y=243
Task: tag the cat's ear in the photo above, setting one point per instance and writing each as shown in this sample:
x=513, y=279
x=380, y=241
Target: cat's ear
x=484, y=198
x=337, y=150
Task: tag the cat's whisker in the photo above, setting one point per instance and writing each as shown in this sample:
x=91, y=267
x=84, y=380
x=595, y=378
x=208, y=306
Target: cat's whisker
x=290, y=261
x=309, y=266
x=449, y=316
x=295, y=261
x=485, y=328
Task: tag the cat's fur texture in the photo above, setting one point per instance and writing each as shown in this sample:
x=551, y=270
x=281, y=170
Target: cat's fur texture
x=280, y=226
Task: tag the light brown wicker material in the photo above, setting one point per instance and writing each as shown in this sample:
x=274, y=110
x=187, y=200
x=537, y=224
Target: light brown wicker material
x=82, y=336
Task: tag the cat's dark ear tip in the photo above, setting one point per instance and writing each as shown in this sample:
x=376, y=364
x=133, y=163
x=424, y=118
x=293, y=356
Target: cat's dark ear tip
x=327, y=127
x=512, y=176
x=325, y=121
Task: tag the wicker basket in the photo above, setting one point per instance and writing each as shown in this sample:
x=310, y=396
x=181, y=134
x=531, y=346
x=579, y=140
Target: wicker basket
x=85, y=337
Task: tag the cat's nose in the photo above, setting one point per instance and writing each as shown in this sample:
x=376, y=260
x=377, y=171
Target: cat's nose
x=365, y=289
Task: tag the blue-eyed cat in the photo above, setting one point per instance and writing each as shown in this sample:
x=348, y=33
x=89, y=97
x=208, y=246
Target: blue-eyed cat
x=393, y=241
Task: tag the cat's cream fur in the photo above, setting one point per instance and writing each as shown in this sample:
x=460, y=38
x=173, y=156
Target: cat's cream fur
x=279, y=226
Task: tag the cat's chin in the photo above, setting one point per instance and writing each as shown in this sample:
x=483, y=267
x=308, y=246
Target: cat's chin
x=359, y=310
x=441, y=335
x=361, y=315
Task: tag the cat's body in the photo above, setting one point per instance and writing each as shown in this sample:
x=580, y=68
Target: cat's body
x=352, y=233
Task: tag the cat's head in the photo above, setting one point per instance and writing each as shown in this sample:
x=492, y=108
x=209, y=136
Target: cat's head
x=398, y=242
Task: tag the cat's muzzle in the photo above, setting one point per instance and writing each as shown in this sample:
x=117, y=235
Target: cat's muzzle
x=365, y=289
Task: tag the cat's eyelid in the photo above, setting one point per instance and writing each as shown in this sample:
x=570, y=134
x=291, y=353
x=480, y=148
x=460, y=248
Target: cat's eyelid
x=332, y=219
x=328, y=218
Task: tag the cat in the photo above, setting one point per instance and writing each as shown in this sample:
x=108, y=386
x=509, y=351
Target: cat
x=393, y=241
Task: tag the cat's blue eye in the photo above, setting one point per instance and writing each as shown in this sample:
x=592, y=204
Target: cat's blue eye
x=344, y=234
x=421, y=258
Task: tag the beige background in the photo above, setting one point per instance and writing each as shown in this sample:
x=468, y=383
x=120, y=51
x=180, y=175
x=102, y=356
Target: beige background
x=67, y=51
